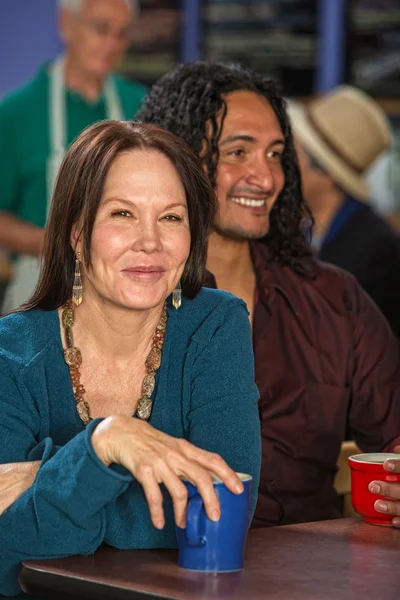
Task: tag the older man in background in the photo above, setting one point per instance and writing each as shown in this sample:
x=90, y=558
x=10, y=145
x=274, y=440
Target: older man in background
x=40, y=120
x=339, y=136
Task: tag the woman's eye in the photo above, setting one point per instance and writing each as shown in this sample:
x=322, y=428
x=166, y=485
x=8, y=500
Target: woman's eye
x=173, y=218
x=121, y=213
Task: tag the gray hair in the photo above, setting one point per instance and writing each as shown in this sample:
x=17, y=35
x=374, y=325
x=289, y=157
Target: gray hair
x=76, y=5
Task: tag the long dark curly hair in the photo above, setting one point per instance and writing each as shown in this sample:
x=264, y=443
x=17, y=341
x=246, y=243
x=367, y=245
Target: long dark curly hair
x=187, y=101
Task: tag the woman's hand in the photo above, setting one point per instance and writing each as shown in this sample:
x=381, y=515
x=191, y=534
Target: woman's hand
x=15, y=479
x=154, y=457
x=390, y=490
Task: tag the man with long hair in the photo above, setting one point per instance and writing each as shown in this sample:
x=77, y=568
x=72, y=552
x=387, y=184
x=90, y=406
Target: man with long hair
x=326, y=361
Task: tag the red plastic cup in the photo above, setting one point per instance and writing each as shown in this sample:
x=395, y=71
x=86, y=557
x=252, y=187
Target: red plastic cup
x=364, y=469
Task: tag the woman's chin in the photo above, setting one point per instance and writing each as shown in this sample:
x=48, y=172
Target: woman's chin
x=142, y=301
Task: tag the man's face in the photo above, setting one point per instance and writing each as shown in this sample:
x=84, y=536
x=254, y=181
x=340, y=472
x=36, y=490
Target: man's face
x=98, y=35
x=249, y=175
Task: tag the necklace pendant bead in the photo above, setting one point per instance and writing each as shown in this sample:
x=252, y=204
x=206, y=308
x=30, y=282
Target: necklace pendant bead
x=69, y=337
x=68, y=317
x=143, y=410
x=148, y=385
x=83, y=410
x=73, y=357
x=153, y=360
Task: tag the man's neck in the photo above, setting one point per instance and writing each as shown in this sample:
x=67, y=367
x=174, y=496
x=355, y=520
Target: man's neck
x=328, y=205
x=229, y=260
x=85, y=84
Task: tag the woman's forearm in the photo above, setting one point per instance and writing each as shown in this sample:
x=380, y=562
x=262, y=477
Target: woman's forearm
x=15, y=479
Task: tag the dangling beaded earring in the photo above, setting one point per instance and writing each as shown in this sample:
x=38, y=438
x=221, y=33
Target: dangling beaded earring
x=77, y=290
x=177, y=296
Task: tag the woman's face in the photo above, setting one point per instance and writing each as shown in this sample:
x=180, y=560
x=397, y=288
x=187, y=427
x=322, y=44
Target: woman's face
x=141, y=235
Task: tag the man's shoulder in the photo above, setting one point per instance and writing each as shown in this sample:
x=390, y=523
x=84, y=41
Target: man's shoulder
x=314, y=272
x=23, y=335
x=21, y=101
x=329, y=279
x=330, y=274
x=316, y=279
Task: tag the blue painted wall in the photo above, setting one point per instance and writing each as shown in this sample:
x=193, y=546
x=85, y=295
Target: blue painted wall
x=28, y=38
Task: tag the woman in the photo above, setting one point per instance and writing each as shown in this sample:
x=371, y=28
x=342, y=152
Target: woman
x=120, y=326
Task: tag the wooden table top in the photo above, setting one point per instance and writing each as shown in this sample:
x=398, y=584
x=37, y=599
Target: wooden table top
x=344, y=559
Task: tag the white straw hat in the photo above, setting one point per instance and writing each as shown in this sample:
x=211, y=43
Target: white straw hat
x=344, y=131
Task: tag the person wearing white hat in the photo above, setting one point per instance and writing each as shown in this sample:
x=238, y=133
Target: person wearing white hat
x=339, y=136
x=40, y=120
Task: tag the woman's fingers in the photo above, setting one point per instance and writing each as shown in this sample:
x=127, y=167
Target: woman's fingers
x=202, y=480
x=215, y=464
x=179, y=494
x=173, y=466
x=154, y=498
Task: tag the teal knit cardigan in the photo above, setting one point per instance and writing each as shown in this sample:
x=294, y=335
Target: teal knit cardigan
x=205, y=392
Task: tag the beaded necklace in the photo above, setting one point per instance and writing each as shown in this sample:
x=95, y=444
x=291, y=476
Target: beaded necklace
x=73, y=358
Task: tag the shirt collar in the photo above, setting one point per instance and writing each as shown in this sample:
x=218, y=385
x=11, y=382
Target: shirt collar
x=270, y=274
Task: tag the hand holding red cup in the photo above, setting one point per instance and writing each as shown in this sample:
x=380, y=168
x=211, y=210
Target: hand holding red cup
x=375, y=487
x=389, y=490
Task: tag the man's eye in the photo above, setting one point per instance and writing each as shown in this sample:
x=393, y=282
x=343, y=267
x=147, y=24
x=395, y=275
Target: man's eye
x=237, y=152
x=275, y=155
x=121, y=213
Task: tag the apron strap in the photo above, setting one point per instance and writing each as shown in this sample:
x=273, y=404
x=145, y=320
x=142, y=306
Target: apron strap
x=58, y=119
x=113, y=103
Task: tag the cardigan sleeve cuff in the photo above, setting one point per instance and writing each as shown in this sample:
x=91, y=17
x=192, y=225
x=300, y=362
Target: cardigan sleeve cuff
x=74, y=476
x=46, y=449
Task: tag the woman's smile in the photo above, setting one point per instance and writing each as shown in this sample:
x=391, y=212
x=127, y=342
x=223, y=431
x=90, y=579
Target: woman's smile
x=145, y=274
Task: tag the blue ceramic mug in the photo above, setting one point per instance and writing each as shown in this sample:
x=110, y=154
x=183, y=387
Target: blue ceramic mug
x=215, y=546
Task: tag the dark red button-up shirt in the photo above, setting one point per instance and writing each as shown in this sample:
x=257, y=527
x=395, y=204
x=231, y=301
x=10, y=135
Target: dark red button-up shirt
x=326, y=364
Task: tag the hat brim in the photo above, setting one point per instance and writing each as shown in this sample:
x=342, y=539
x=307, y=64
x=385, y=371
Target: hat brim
x=313, y=143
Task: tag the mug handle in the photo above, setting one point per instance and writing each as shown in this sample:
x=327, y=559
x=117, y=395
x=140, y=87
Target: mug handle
x=193, y=514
